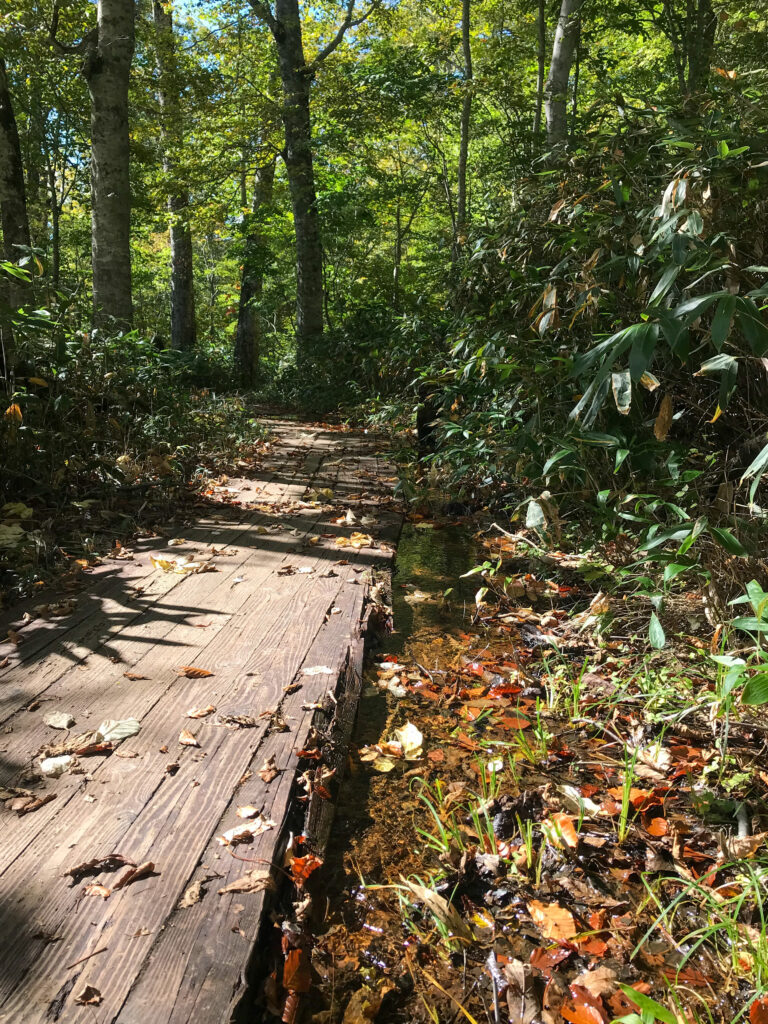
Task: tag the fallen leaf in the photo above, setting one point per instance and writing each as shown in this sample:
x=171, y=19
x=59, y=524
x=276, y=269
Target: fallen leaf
x=552, y=920
x=187, y=739
x=444, y=911
x=269, y=770
x=560, y=831
x=134, y=675
x=245, y=833
x=742, y=847
x=90, y=996
x=256, y=880
x=193, y=894
x=247, y=811
x=201, y=712
x=94, y=889
x=584, y=1008
x=112, y=731
x=410, y=740
x=134, y=874
x=54, y=766
x=523, y=993
x=192, y=672
x=297, y=971
x=364, y=1004
x=97, y=865
x=601, y=981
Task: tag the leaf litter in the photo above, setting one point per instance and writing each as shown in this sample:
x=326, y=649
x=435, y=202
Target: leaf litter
x=557, y=852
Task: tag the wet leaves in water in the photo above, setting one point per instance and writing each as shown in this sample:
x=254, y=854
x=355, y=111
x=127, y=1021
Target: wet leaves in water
x=552, y=920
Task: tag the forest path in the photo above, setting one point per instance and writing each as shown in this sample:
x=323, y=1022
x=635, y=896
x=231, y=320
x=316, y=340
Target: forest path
x=277, y=625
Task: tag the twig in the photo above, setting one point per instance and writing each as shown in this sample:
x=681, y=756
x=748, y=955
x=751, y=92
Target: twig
x=86, y=957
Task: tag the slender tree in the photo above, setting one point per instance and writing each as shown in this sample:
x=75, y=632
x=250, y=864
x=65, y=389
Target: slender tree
x=13, y=210
x=13, y=199
x=183, y=329
x=541, y=61
x=296, y=74
x=466, y=124
x=107, y=55
x=248, y=332
x=691, y=29
x=556, y=87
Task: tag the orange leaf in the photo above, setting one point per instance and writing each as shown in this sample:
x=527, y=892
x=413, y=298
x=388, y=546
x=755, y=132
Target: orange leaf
x=297, y=972
x=758, y=1011
x=657, y=827
x=187, y=739
x=552, y=920
x=585, y=1009
x=192, y=672
x=13, y=413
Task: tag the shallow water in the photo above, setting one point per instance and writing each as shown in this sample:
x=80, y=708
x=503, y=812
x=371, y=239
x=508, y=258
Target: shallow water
x=373, y=838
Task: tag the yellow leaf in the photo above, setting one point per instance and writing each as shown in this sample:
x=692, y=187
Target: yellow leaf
x=13, y=413
x=664, y=419
x=718, y=414
x=38, y=382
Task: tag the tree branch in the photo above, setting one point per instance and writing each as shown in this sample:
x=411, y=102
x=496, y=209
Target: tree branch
x=349, y=22
x=62, y=48
x=264, y=11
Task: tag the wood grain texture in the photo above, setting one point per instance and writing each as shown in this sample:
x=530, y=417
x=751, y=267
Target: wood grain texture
x=255, y=624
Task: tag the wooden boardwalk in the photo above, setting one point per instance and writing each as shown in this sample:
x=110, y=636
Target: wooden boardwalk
x=279, y=604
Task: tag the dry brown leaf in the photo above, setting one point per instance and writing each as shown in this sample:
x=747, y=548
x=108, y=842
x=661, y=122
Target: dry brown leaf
x=134, y=675
x=598, y=982
x=94, y=889
x=552, y=920
x=247, y=811
x=188, y=739
x=193, y=894
x=269, y=770
x=134, y=874
x=201, y=712
x=254, y=881
x=90, y=996
x=245, y=833
x=193, y=672
x=663, y=422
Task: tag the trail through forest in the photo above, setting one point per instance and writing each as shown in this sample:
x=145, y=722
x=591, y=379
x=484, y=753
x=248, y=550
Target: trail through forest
x=494, y=268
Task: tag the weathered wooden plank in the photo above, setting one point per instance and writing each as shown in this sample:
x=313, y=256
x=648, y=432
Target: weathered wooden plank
x=113, y=580
x=142, y=811
x=198, y=954
x=99, y=691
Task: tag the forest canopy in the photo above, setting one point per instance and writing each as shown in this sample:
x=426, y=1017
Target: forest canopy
x=535, y=226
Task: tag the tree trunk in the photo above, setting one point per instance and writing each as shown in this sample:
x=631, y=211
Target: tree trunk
x=556, y=88
x=13, y=200
x=296, y=78
x=183, y=328
x=466, y=120
x=541, y=56
x=55, y=230
x=576, y=75
x=13, y=214
x=248, y=334
x=701, y=44
x=106, y=69
x=692, y=34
